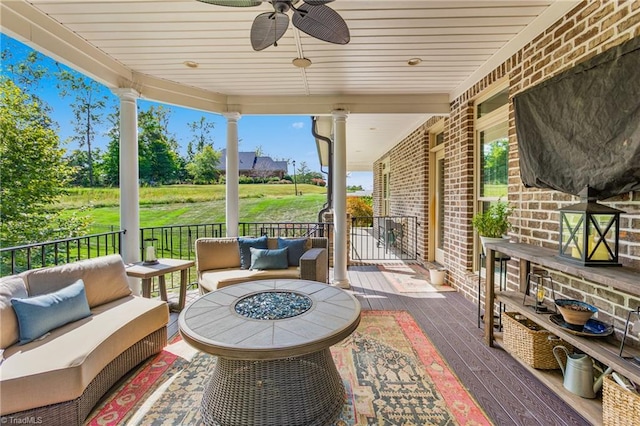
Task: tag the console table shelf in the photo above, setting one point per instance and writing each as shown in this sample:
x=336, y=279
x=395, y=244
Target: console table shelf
x=604, y=350
x=589, y=408
x=616, y=277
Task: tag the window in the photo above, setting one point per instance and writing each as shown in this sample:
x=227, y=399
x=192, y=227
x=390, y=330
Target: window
x=492, y=147
x=494, y=161
x=493, y=103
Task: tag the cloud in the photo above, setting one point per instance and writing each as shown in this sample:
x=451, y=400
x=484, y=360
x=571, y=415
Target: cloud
x=298, y=125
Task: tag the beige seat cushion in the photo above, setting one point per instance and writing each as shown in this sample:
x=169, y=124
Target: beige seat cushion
x=10, y=287
x=105, y=279
x=211, y=280
x=60, y=366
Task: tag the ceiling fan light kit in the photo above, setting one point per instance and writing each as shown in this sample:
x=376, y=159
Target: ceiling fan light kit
x=301, y=62
x=312, y=17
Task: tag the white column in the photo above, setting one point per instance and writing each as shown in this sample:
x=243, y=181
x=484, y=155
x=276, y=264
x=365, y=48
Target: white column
x=129, y=193
x=340, y=278
x=232, y=176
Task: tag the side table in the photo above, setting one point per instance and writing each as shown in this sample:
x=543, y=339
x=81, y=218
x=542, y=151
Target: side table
x=160, y=269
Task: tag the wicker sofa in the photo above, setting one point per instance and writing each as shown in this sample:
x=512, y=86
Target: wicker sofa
x=219, y=265
x=58, y=378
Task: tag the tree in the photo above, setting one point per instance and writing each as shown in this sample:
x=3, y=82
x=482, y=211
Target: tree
x=158, y=160
x=201, y=137
x=32, y=171
x=111, y=158
x=25, y=73
x=302, y=173
x=77, y=161
x=204, y=167
x=87, y=107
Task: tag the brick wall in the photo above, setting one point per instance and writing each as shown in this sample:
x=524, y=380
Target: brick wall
x=409, y=184
x=589, y=29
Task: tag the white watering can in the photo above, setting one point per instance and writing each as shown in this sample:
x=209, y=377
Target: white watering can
x=578, y=373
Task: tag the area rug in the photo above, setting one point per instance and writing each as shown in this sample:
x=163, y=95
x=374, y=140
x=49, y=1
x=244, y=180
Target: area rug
x=408, y=278
x=392, y=374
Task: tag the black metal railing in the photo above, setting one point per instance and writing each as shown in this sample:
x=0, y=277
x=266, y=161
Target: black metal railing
x=287, y=229
x=176, y=241
x=14, y=260
x=384, y=238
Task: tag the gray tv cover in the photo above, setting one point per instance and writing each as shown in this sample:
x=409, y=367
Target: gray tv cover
x=582, y=127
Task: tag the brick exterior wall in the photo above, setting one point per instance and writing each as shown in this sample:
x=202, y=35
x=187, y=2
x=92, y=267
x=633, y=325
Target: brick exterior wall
x=589, y=29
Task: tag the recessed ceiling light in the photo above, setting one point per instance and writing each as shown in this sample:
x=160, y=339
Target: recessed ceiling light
x=301, y=62
x=191, y=64
x=414, y=61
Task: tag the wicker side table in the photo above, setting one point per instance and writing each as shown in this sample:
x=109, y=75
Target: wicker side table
x=271, y=371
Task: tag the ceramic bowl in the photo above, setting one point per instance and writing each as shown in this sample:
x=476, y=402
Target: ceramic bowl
x=575, y=312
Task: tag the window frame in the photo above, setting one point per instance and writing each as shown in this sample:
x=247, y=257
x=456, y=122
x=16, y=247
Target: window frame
x=435, y=150
x=498, y=116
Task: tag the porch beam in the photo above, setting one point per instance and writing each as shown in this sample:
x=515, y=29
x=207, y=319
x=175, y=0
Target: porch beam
x=355, y=104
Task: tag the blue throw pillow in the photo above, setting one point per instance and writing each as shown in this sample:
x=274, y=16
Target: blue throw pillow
x=269, y=259
x=40, y=314
x=296, y=247
x=245, y=244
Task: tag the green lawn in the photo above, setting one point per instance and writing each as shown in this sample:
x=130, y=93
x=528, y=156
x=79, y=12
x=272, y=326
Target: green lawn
x=194, y=204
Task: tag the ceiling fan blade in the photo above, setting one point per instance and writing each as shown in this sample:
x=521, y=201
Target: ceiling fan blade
x=267, y=29
x=234, y=3
x=321, y=22
x=316, y=2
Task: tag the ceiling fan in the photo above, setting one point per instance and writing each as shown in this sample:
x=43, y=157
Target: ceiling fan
x=312, y=17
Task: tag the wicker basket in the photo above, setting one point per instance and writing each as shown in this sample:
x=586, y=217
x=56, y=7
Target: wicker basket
x=530, y=345
x=619, y=406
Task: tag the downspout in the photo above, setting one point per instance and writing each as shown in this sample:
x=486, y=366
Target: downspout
x=329, y=204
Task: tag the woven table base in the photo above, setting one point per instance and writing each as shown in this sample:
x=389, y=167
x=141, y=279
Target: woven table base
x=305, y=390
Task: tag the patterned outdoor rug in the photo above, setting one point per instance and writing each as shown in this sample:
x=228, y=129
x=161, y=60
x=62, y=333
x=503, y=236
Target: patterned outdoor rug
x=411, y=279
x=392, y=375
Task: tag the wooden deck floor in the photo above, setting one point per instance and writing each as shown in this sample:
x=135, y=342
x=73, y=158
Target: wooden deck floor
x=508, y=393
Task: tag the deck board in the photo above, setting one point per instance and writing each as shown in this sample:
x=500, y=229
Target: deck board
x=507, y=392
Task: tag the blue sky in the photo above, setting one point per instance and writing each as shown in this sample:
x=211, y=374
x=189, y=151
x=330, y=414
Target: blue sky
x=281, y=137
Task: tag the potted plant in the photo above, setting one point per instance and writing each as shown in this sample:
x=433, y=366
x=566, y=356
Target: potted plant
x=493, y=223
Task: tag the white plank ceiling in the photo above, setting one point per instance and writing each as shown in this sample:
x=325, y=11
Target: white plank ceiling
x=145, y=44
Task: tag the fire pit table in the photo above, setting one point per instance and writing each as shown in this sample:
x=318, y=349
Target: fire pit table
x=272, y=339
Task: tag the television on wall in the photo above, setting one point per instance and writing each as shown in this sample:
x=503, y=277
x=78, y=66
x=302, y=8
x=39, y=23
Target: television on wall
x=582, y=127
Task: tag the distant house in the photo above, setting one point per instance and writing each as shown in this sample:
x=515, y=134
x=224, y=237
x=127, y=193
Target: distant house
x=254, y=166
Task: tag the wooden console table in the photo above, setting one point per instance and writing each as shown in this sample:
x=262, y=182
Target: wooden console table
x=605, y=350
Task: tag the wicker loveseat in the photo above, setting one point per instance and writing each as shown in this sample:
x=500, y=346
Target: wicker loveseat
x=219, y=263
x=59, y=377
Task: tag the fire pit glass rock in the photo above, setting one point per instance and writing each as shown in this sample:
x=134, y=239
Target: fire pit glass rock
x=273, y=305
